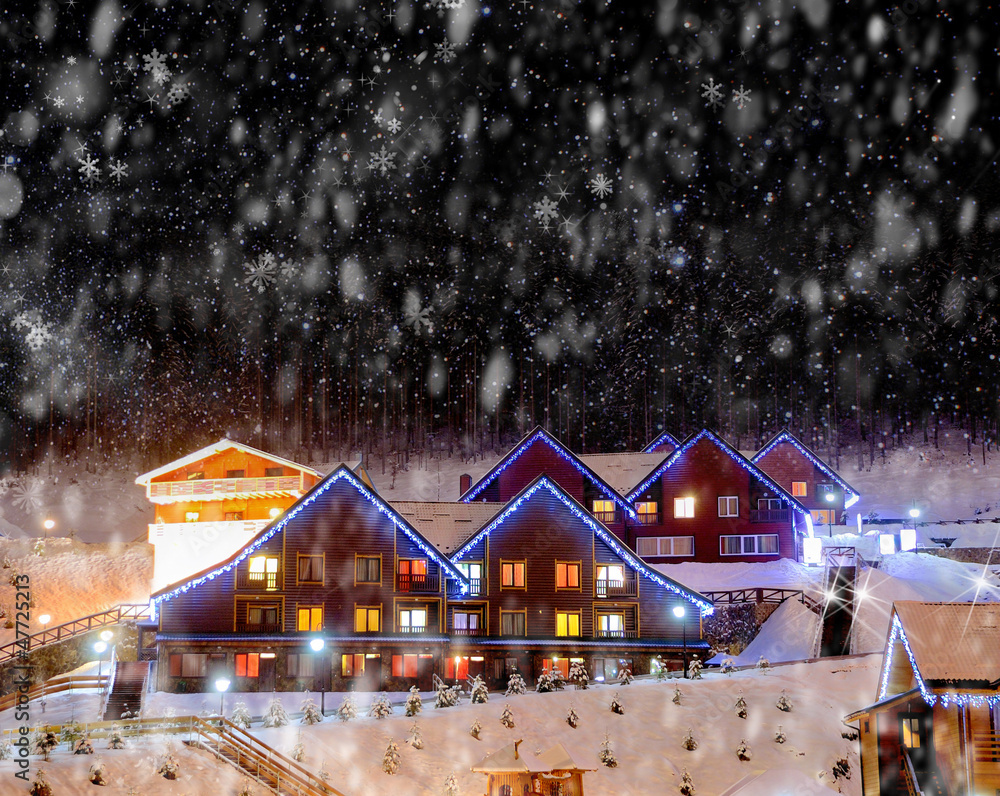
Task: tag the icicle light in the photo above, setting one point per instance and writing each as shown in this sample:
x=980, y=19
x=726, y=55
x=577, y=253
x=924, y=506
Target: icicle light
x=785, y=436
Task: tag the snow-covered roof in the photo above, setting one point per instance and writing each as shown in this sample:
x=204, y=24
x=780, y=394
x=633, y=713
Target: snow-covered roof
x=777, y=781
x=219, y=447
x=786, y=436
x=665, y=438
x=446, y=525
x=953, y=642
x=511, y=759
x=622, y=470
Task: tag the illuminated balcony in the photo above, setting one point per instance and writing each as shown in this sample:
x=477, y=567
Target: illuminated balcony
x=202, y=489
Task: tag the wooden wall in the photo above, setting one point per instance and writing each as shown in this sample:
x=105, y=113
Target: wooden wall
x=785, y=463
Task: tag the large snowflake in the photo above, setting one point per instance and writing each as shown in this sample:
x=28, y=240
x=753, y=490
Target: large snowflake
x=37, y=332
x=545, y=209
x=713, y=93
x=741, y=97
x=414, y=315
x=600, y=186
x=383, y=160
x=260, y=272
x=28, y=495
x=445, y=51
x=156, y=63
x=89, y=169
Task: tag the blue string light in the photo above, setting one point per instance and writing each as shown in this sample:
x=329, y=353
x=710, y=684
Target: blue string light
x=786, y=436
x=736, y=456
x=543, y=435
x=341, y=473
x=606, y=536
x=666, y=436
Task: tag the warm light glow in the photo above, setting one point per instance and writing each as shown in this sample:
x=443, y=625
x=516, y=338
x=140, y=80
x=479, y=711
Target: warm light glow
x=49, y=524
x=812, y=550
x=45, y=619
x=860, y=594
x=886, y=544
x=679, y=611
x=100, y=647
x=267, y=655
x=107, y=635
x=317, y=644
x=830, y=497
x=275, y=512
x=222, y=684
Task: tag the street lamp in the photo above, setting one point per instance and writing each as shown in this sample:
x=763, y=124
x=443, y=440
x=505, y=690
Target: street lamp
x=914, y=512
x=48, y=525
x=43, y=620
x=99, y=648
x=222, y=685
x=317, y=645
x=679, y=613
x=829, y=514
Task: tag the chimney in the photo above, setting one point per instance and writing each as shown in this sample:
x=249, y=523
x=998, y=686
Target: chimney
x=464, y=483
x=516, y=744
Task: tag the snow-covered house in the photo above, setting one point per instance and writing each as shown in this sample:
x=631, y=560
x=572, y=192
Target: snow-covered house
x=807, y=477
x=935, y=725
x=664, y=443
x=511, y=771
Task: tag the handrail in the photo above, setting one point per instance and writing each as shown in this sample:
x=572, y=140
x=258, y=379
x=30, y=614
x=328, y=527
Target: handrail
x=54, y=685
x=111, y=680
x=142, y=692
x=909, y=775
x=986, y=747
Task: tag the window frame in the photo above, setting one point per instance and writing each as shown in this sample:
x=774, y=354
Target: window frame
x=756, y=537
x=604, y=613
x=230, y=474
x=378, y=558
x=601, y=515
x=686, y=505
x=569, y=614
x=803, y=485
x=579, y=575
x=298, y=658
x=322, y=569
x=410, y=608
x=659, y=546
x=231, y=516
x=729, y=512
x=642, y=511
x=522, y=612
x=524, y=577
x=263, y=574
x=248, y=658
x=464, y=566
x=298, y=618
x=269, y=472
x=368, y=612
x=255, y=606
x=467, y=612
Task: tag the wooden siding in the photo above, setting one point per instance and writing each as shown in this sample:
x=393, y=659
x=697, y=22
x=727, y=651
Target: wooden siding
x=217, y=465
x=948, y=747
x=785, y=463
x=216, y=510
x=705, y=472
x=869, y=757
x=539, y=458
x=901, y=677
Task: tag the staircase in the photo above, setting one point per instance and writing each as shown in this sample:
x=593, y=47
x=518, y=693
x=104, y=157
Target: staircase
x=834, y=633
x=128, y=682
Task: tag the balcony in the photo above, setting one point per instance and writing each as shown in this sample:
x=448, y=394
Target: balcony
x=257, y=581
x=616, y=634
x=477, y=586
x=417, y=584
x=259, y=628
x=606, y=516
x=616, y=588
x=408, y=629
x=649, y=518
x=770, y=515
x=224, y=489
x=466, y=631
x=167, y=530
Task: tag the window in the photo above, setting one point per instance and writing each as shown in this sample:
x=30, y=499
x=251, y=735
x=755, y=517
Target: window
x=607, y=669
x=684, y=507
x=612, y=625
x=301, y=664
x=822, y=490
x=354, y=665
x=467, y=622
x=665, y=545
x=729, y=506
x=512, y=623
x=512, y=574
x=367, y=618
x=189, y=664
x=196, y=475
x=235, y=473
x=567, y=623
x=769, y=504
x=567, y=575
x=559, y=664
x=247, y=664
x=604, y=510
x=368, y=569
x=264, y=571
x=612, y=572
x=799, y=489
x=407, y=665
x=412, y=619
x=310, y=569
x=191, y=516
x=274, y=472
x=310, y=619
x=766, y=544
x=412, y=573
x=474, y=572
x=910, y=729
x=234, y=516
x=262, y=615
x=649, y=512
x=824, y=516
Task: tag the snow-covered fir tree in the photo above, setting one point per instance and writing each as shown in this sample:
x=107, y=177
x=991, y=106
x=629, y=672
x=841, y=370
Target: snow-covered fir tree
x=695, y=667
x=763, y=664
x=741, y=706
x=578, y=674
x=660, y=668
x=475, y=729
x=626, y=676
x=276, y=715
x=551, y=680
x=607, y=754
x=779, y=736
x=450, y=786
x=446, y=696
x=743, y=751
x=390, y=760
x=6, y=749
x=241, y=715
x=784, y=703
x=96, y=772
x=572, y=719
x=71, y=733
x=381, y=707
x=115, y=739
x=246, y=788
x=44, y=742
x=516, y=685
x=83, y=746
x=616, y=705
x=41, y=785
x=310, y=712
x=507, y=718
x=480, y=693
x=169, y=767
x=727, y=666
x=416, y=740
x=348, y=708
x=686, y=787
x=414, y=704
x=689, y=741
x=298, y=750
x=677, y=696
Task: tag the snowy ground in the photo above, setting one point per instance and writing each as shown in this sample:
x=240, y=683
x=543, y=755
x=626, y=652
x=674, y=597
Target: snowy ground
x=646, y=740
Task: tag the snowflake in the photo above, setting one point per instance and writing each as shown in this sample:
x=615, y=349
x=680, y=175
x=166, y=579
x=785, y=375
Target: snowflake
x=741, y=97
x=395, y=125
x=260, y=272
x=157, y=64
x=546, y=210
x=238, y=229
x=378, y=118
x=600, y=186
x=88, y=168
x=28, y=495
x=443, y=5
x=178, y=93
x=713, y=93
x=382, y=160
x=288, y=268
x=414, y=315
x=117, y=170
x=445, y=51
x=38, y=336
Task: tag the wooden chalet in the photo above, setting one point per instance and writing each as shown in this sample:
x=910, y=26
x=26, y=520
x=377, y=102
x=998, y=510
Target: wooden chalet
x=935, y=726
x=511, y=771
x=707, y=502
x=340, y=565
x=808, y=478
x=210, y=503
x=550, y=584
x=664, y=443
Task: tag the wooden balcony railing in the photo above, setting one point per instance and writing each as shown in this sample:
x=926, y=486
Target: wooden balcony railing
x=986, y=747
x=259, y=628
x=219, y=488
x=423, y=584
x=466, y=631
x=606, y=516
x=770, y=515
x=616, y=588
x=477, y=586
x=258, y=581
x=412, y=629
x=649, y=519
x=616, y=633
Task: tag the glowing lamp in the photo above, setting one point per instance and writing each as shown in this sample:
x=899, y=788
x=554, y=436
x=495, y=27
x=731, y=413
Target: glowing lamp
x=100, y=647
x=812, y=550
x=679, y=611
x=886, y=544
x=49, y=524
x=830, y=497
x=222, y=684
x=914, y=512
x=107, y=635
x=317, y=644
x=275, y=512
x=908, y=539
x=44, y=619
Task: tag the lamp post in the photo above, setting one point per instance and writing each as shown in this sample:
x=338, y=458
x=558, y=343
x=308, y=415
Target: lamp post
x=99, y=648
x=222, y=685
x=43, y=620
x=317, y=645
x=48, y=525
x=679, y=613
x=829, y=514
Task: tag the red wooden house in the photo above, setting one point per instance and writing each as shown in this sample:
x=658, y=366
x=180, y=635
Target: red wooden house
x=664, y=443
x=707, y=502
x=935, y=727
x=556, y=585
x=808, y=478
x=341, y=565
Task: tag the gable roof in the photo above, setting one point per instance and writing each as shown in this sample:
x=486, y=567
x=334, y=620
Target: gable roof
x=786, y=436
x=342, y=473
x=601, y=530
x=666, y=436
x=733, y=454
x=510, y=759
x=213, y=449
x=446, y=525
x=947, y=644
x=622, y=470
x=539, y=434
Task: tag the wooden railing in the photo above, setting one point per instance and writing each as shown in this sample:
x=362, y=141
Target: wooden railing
x=606, y=516
x=211, y=488
x=411, y=629
x=908, y=774
x=649, y=518
x=770, y=515
x=477, y=586
x=270, y=627
x=56, y=685
x=466, y=631
x=417, y=583
x=616, y=588
x=52, y=635
x=616, y=634
x=986, y=747
x=762, y=595
x=258, y=581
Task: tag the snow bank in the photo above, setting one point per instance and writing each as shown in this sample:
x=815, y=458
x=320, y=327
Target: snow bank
x=781, y=574
x=787, y=635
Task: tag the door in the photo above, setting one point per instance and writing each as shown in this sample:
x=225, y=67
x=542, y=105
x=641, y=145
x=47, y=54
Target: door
x=425, y=672
x=915, y=736
x=266, y=679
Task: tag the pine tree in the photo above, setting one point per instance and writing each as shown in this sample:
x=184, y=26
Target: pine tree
x=516, y=685
x=763, y=664
x=246, y=789
x=446, y=696
x=41, y=786
x=45, y=742
x=39, y=548
x=476, y=728
x=310, y=712
x=572, y=719
x=71, y=733
x=390, y=761
x=276, y=716
x=415, y=740
x=727, y=666
x=689, y=742
x=578, y=675
x=741, y=706
x=381, y=707
x=616, y=705
x=779, y=736
x=694, y=669
x=507, y=718
x=348, y=708
x=625, y=677
x=784, y=703
x=677, y=696
x=96, y=773
x=480, y=693
x=115, y=739
x=686, y=786
x=551, y=680
x=743, y=750
x=607, y=755
x=661, y=668
x=298, y=750
x=6, y=749
x=83, y=746
x=168, y=768
x=414, y=704
x=241, y=716
x=450, y=786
